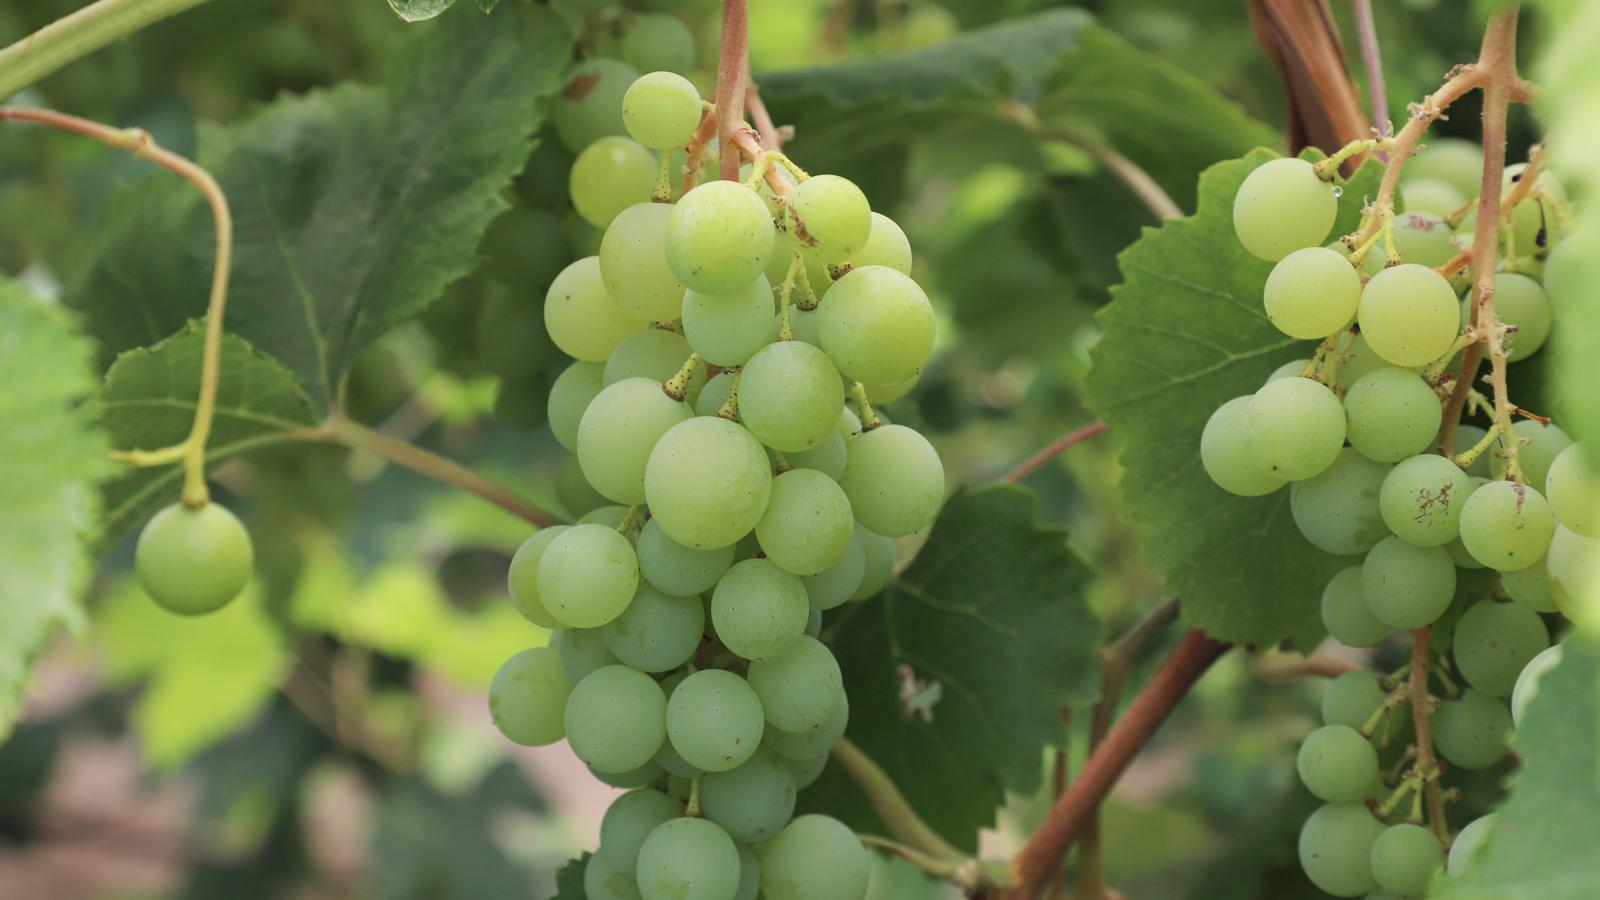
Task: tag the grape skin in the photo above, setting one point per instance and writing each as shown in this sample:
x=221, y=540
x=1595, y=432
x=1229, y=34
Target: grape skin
x=655, y=41
x=588, y=575
x=1405, y=858
x=1494, y=641
x=657, y=632
x=1507, y=525
x=1527, y=685
x=1542, y=444
x=1572, y=563
x=1345, y=612
x=582, y=650
x=1408, y=314
x=527, y=698
x=609, y=176
x=1390, y=414
x=580, y=315
x=1281, y=207
x=616, y=719
x=1294, y=427
x=1407, y=587
x=583, y=116
x=714, y=720
x=691, y=859
x=881, y=554
x=1472, y=732
x=894, y=480
x=1337, y=764
x=193, y=561
x=758, y=610
x=1468, y=842
x=673, y=568
x=603, y=881
x=619, y=432
x=719, y=237
x=1226, y=456
x=1573, y=488
x=753, y=801
x=801, y=689
x=628, y=821
x=574, y=389
x=633, y=264
x=661, y=109
x=807, y=525
x=1337, y=510
x=1353, y=697
x=707, y=482
x=834, y=585
x=830, y=216
x=658, y=355
x=728, y=329
x=1312, y=293
x=815, y=857
x=1422, y=499
x=1336, y=849
x=522, y=579
x=790, y=396
x=877, y=325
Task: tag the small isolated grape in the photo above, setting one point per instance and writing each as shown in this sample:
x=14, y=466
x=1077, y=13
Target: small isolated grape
x=1527, y=686
x=522, y=580
x=628, y=821
x=193, y=560
x=616, y=719
x=894, y=480
x=580, y=315
x=790, y=396
x=1494, y=642
x=657, y=632
x=633, y=264
x=801, y=689
x=1573, y=489
x=1390, y=414
x=807, y=525
x=619, y=431
x=610, y=175
x=1312, y=293
x=661, y=110
x=829, y=216
x=758, y=610
x=1422, y=499
x=1468, y=842
x=1405, y=858
x=589, y=107
x=1539, y=446
x=752, y=801
x=1294, y=427
x=1337, y=510
x=1226, y=456
x=1507, y=525
x=815, y=857
x=877, y=325
x=1408, y=314
x=688, y=859
x=1345, y=612
x=1336, y=848
x=675, y=569
x=570, y=395
x=1472, y=732
x=1281, y=207
x=1407, y=586
x=528, y=697
x=719, y=237
x=1337, y=764
x=728, y=329
x=588, y=575
x=714, y=720
x=707, y=482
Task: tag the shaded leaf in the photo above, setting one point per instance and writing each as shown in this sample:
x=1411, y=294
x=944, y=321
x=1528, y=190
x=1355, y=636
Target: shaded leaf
x=420, y=10
x=569, y=879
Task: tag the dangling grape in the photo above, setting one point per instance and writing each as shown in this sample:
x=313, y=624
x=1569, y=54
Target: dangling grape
x=193, y=561
x=1282, y=207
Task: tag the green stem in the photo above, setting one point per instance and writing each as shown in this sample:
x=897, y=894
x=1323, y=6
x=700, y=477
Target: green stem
x=891, y=805
x=77, y=35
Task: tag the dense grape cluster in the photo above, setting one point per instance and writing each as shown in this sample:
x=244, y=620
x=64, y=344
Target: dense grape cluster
x=732, y=483
x=1374, y=473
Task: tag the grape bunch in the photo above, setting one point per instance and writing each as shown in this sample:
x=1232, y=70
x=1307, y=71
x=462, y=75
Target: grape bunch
x=1374, y=473
x=732, y=483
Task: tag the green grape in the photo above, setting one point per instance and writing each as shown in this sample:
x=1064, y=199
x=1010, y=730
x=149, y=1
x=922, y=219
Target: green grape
x=833, y=586
x=1352, y=698
x=801, y=689
x=758, y=610
x=1408, y=314
x=633, y=264
x=603, y=881
x=1467, y=437
x=1530, y=587
x=582, y=650
x=1527, y=686
x=1533, y=215
x=193, y=561
x=580, y=315
x=807, y=771
x=886, y=246
x=1573, y=562
x=574, y=389
x=1336, y=849
x=688, y=859
x=522, y=580
x=675, y=569
x=628, y=821
x=1573, y=488
x=618, y=432
x=882, y=554
x=1432, y=195
x=1312, y=293
x=590, y=106
x=1455, y=161
x=587, y=576
x=790, y=396
x=578, y=497
x=610, y=516
x=1337, y=510
x=814, y=623
x=752, y=801
x=707, y=482
x=1566, y=269
x=1542, y=444
x=527, y=697
x=749, y=874
x=1472, y=732
x=1494, y=641
x=1407, y=586
x=657, y=631
x=1294, y=427
x=806, y=325
x=645, y=775
x=1405, y=858
x=656, y=354
x=715, y=393
x=1290, y=369
x=510, y=336
x=1468, y=842
x=889, y=393
x=1281, y=207
x=1337, y=764
x=1359, y=360
x=526, y=246
x=1226, y=456
x=828, y=457
x=1519, y=301
x=1422, y=500
x=1390, y=414
x=610, y=175
x=655, y=42
x=1460, y=556
x=719, y=237
x=727, y=329
x=1507, y=525
x=807, y=525
x=616, y=719
x=1419, y=237
x=877, y=325
x=894, y=480
x=813, y=742
x=668, y=757
x=815, y=857
x=1345, y=612
x=829, y=216
x=714, y=720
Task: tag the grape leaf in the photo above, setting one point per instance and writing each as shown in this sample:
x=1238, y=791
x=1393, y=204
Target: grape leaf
x=420, y=10
x=1184, y=333
x=53, y=457
x=569, y=879
x=1543, y=843
x=994, y=611
x=353, y=207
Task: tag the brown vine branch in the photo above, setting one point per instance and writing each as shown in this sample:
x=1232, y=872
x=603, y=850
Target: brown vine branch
x=771, y=135
x=1301, y=40
x=733, y=65
x=1057, y=447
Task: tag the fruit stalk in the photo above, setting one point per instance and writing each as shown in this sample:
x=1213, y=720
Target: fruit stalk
x=74, y=36
x=733, y=65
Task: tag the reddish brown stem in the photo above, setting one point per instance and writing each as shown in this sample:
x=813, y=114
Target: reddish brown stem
x=1059, y=446
x=1422, y=718
x=771, y=137
x=733, y=62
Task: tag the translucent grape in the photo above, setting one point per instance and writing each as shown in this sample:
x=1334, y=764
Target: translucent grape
x=192, y=561
x=833, y=586
x=1281, y=207
x=1530, y=587
x=727, y=329
x=1472, y=732
x=828, y=215
x=1527, y=686
x=633, y=264
x=1336, y=848
x=1468, y=842
x=661, y=110
x=522, y=579
x=1290, y=369
x=657, y=631
x=886, y=246
x=587, y=576
x=790, y=396
x=656, y=354
x=1352, y=698
x=828, y=457
x=806, y=324
x=1432, y=195
x=1422, y=499
x=1543, y=443
x=814, y=858
x=1455, y=161
x=1573, y=488
x=1494, y=641
x=618, y=432
x=582, y=650
x=812, y=742
x=1359, y=360
x=1507, y=525
x=610, y=175
x=675, y=569
x=882, y=554
x=1337, y=510
x=528, y=696
x=1408, y=314
x=1405, y=858
x=1226, y=456
x=1311, y=293
x=580, y=315
x=1390, y=414
x=1345, y=612
x=1419, y=237
x=758, y=610
x=753, y=801
x=889, y=393
x=628, y=821
x=714, y=720
x=616, y=719
x=1294, y=427
x=657, y=41
x=603, y=881
x=714, y=394
x=707, y=482
x=570, y=395
x=894, y=480
x=611, y=516
x=1407, y=586
x=1520, y=301
x=807, y=525
x=806, y=771
x=1337, y=764
x=688, y=859
x=1572, y=562
x=877, y=325
x=590, y=106
x=801, y=689
x=719, y=237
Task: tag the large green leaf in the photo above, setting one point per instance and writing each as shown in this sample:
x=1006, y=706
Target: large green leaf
x=53, y=457
x=354, y=207
x=1185, y=333
x=994, y=613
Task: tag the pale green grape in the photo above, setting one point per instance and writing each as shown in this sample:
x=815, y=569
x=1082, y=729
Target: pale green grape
x=616, y=719
x=1468, y=842
x=790, y=396
x=1336, y=849
x=1419, y=237
x=1527, y=686
x=1337, y=510
x=1543, y=443
x=752, y=801
x=628, y=821
x=1281, y=207
x=719, y=237
x=1226, y=456
x=833, y=586
x=894, y=480
x=582, y=650
x=1390, y=414
x=603, y=881
x=1507, y=525
x=590, y=106
x=587, y=576
x=522, y=580
x=610, y=175
x=1520, y=301
x=633, y=264
x=1455, y=161
x=578, y=497
x=1358, y=360
x=877, y=325
x=1407, y=586
x=806, y=324
x=1573, y=562
x=193, y=561
x=688, y=859
x=813, y=742
x=1408, y=314
x=1432, y=195
x=806, y=771
x=886, y=246
x=580, y=315
x=801, y=689
x=727, y=329
x=814, y=623
x=749, y=874
x=619, y=431
x=1290, y=369
x=714, y=394
x=1352, y=698
x=570, y=395
x=807, y=525
x=828, y=457
x=657, y=631
x=675, y=569
x=661, y=110
x=1422, y=500
x=1494, y=641
x=1573, y=488
x=668, y=757
x=1337, y=764
x=656, y=41
x=758, y=610
x=1459, y=555
x=714, y=720
x=828, y=215
x=882, y=554
x=528, y=696
x=656, y=354
x=1311, y=293
x=1405, y=858
x=1294, y=427
x=889, y=393
x=645, y=775
x=1467, y=437
x=815, y=857
x=1345, y=612
x=1472, y=732
x=1531, y=588
x=610, y=516
x=707, y=482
